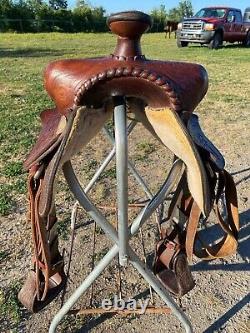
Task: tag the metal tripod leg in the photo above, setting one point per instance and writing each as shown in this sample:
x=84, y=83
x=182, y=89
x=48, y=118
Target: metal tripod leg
x=108, y=159
x=110, y=231
x=131, y=167
x=121, y=145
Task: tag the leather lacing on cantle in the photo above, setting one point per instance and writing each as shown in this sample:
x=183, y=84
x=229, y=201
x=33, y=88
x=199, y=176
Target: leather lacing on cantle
x=159, y=80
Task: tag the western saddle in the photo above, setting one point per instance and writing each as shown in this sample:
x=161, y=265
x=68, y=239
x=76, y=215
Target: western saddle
x=162, y=95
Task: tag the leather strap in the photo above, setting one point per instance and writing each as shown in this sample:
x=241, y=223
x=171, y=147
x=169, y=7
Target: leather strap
x=171, y=266
x=48, y=263
x=228, y=244
x=192, y=226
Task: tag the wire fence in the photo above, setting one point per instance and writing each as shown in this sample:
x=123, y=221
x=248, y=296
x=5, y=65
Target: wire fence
x=62, y=25
x=50, y=25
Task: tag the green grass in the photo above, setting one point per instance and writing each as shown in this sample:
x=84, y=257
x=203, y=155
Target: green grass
x=5, y=199
x=22, y=96
x=9, y=306
x=63, y=227
x=144, y=149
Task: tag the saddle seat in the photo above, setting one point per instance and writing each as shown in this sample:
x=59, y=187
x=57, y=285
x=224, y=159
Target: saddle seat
x=92, y=81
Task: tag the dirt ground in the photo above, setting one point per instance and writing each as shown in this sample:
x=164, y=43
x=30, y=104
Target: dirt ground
x=220, y=300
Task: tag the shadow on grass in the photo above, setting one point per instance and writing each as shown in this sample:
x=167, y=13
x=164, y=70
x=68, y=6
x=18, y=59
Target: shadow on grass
x=225, y=46
x=29, y=52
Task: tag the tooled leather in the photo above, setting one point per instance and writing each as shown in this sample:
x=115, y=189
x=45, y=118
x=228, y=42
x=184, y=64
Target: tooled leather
x=134, y=72
x=180, y=85
x=46, y=197
x=68, y=82
x=47, y=139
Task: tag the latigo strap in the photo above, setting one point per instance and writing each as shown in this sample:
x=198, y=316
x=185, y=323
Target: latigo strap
x=199, y=189
x=182, y=244
x=47, y=278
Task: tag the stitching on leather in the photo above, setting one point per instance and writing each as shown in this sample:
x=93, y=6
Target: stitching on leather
x=161, y=81
x=132, y=58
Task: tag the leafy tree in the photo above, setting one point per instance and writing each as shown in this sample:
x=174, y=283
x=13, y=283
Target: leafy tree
x=82, y=3
x=58, y=4
x=11, y=14
x=174, y=15
x=87, y=18
x=63, y=21
x=184, y=9
x=5, y=6
x=159, y=16
x=53, y=15
x=44, y=16
x=82, y=18
x=99, y=19
x=34, y=4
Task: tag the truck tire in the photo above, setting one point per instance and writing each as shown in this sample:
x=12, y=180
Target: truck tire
x=246, y=42
x=216, y=42
x=181, y=44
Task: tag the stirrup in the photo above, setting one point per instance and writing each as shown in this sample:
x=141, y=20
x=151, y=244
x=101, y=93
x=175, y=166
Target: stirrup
x=28, y=294
x=171, y=265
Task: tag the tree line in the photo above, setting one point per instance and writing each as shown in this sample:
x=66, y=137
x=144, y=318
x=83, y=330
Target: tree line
x=54, y=15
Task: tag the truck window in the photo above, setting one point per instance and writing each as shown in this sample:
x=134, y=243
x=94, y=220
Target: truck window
x=211, y=12
x=238, y=16
x=230, y=16
x=247, y=15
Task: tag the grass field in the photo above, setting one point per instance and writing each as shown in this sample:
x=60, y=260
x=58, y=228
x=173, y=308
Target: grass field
x=224, y=111
x=22, y=98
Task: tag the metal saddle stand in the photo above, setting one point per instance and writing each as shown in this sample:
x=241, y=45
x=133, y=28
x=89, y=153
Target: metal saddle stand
x=162, y=95
x=121, y=238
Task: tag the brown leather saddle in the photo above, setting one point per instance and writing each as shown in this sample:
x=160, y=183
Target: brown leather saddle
x=162, y=95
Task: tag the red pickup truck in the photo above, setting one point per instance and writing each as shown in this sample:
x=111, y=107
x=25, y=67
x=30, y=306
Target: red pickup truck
x=213, y=25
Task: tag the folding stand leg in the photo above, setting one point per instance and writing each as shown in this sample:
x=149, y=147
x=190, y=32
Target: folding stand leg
x=109, y=158
x=121, y=244
x=130, y=165
x=121, y=145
